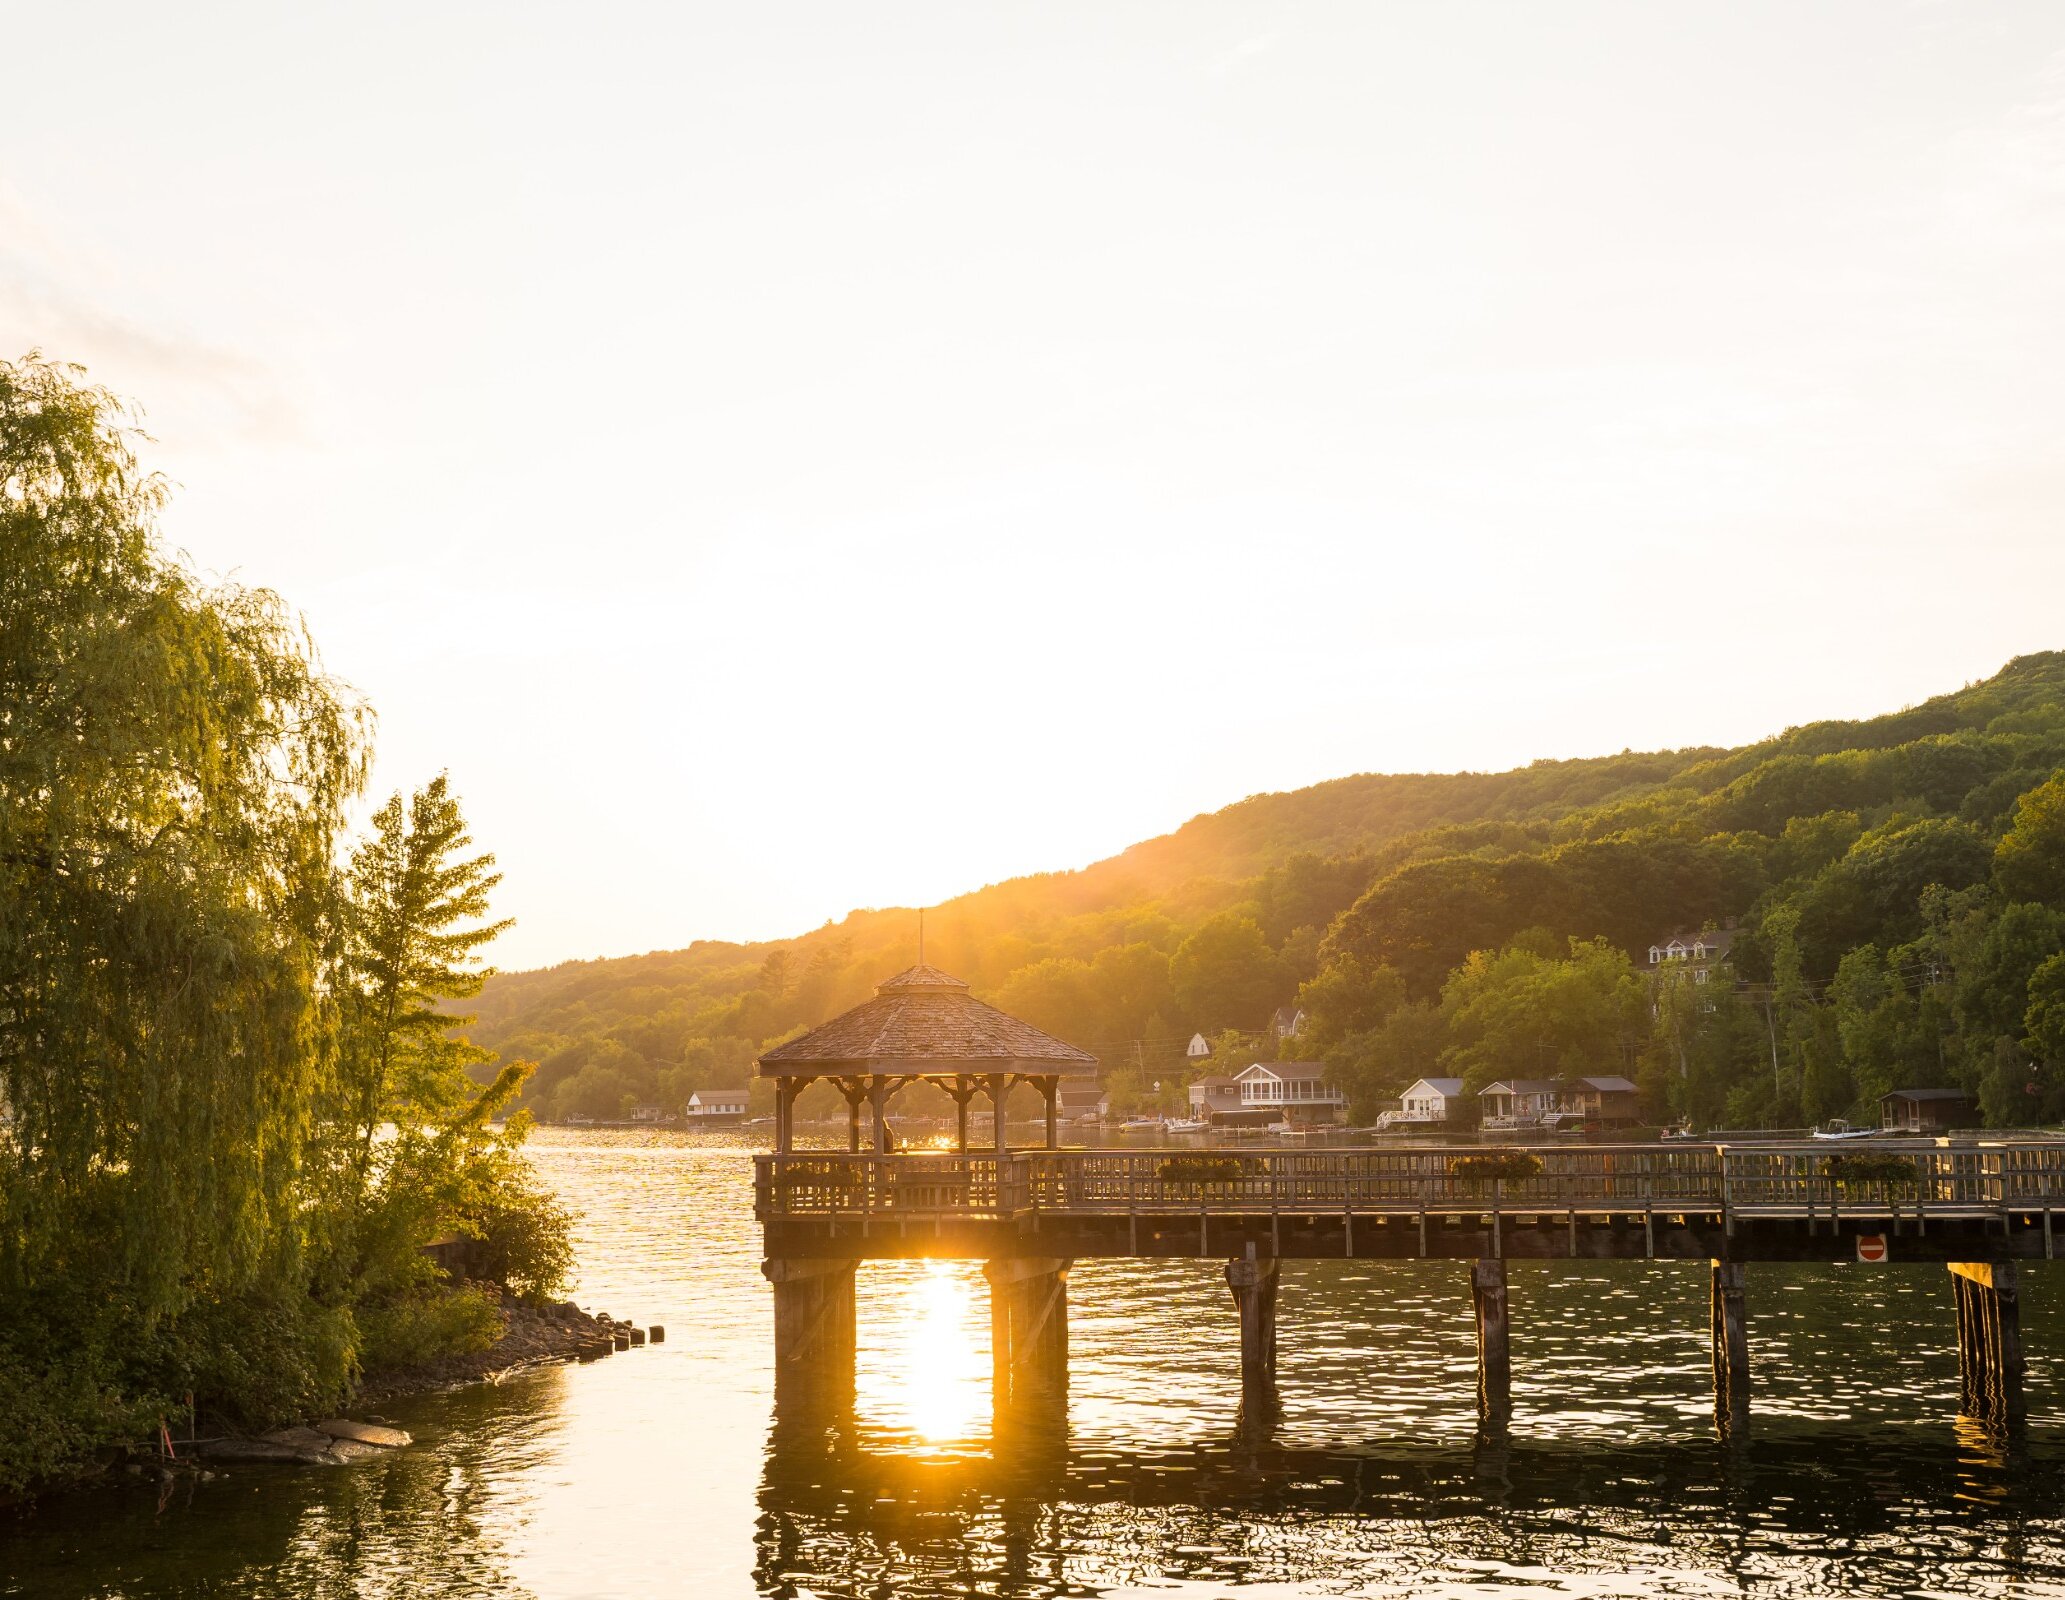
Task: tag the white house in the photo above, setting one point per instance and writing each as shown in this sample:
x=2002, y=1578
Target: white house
x=1200, y=1047
x=1296, y=1090
x=707, y=1106
x=1519, y=1102
x=1429, y=1100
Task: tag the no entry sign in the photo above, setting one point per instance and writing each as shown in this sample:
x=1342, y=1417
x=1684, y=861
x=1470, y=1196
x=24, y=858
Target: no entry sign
x=1871, y=1247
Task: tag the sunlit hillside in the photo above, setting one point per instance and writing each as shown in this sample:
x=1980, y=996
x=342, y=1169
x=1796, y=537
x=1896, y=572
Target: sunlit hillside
x=1833, y=829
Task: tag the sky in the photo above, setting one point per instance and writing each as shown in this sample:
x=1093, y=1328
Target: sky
x=780, y=458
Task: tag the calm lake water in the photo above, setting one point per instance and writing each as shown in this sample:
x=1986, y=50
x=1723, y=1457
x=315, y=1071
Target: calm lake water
x=661, y=1471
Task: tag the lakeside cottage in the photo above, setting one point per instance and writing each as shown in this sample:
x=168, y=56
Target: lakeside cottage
x=1431, y=1100
x=1535, y=1102
x=715, y=1107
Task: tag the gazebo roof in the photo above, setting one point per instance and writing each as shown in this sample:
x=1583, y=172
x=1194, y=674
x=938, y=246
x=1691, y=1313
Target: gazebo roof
x=925, y=1021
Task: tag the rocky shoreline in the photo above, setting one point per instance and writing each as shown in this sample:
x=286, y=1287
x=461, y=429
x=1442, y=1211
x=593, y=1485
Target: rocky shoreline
x=532, y=1336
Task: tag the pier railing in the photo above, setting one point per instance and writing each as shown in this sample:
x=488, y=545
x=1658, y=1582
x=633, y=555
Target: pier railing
x=1803, y=1179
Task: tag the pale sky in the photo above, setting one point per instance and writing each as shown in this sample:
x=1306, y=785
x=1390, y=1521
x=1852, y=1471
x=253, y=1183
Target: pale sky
x=781, y=458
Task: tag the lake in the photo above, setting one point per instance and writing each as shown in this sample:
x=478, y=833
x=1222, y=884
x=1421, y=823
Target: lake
x=663, y=1472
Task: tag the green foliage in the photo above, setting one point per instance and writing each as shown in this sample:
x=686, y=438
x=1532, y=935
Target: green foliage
x=1225, y=975
x=413, y=1329
x=2030, y=860
x=1508, y=1166
x=1516, y=1013
x=174, y=767
x=413, y=937
x=235, y=1112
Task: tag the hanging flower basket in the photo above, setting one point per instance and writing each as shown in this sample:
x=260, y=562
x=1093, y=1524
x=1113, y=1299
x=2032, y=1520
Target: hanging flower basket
x=1509, y=1166
x=1206, y=1173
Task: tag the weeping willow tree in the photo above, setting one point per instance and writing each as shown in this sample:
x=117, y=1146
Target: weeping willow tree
x=174, y=768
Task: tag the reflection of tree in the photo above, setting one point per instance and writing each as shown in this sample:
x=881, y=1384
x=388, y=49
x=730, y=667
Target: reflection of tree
x=411, y=1525
x=1810, y=1512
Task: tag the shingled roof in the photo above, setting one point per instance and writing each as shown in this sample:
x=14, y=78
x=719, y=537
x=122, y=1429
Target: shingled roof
x=924, y=1020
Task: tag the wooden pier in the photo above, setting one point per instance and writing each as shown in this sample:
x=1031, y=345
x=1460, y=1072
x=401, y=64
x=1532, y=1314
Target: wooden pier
x=1979, y=1207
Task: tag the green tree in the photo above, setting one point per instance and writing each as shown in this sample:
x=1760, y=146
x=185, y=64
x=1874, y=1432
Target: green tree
x=1519, y=1014
x=2029, y=862
x=174, y=768
x=1225, y=975
x=414, y=938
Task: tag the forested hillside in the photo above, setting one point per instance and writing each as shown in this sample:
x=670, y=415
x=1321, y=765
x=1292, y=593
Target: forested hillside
x=1898, y=885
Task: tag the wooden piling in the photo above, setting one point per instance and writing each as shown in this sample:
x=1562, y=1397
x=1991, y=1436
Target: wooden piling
x=1731, y=1352
x=1028, y=1323
x=1252, y=1281
x=1494, y=1347
x=813, y=1326
x=1989, y=1339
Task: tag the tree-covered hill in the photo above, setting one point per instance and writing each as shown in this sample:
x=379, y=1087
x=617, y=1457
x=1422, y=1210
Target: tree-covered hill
x=1374, y=895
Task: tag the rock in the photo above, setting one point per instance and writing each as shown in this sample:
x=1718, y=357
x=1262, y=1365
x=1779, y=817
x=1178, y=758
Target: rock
x=298, y=1439
x=637, y=1337
x=657, y=1334
x=342, y=1451
x=261, y=1450
x=364, y=1433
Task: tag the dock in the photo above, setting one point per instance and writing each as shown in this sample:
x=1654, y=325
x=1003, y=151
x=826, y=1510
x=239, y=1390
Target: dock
x=1978, y=1208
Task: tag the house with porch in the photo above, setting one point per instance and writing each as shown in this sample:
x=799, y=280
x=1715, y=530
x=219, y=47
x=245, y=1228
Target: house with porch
x=1518, y=1102
x=1439, y=1100
x=1294, y=1091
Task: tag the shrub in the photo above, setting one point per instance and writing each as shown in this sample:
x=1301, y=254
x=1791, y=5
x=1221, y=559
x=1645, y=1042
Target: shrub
x=420, y=1328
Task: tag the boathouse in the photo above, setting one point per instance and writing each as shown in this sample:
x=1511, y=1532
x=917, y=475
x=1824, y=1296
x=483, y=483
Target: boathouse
x=923, y=1026
x=716, y=1107
x=1927, y=1111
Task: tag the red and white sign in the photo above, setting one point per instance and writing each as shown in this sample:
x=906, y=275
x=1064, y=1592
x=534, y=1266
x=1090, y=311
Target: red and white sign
x=1871, y=1247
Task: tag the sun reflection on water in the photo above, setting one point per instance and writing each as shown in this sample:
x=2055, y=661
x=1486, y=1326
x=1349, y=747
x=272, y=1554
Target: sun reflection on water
x=932, y=1379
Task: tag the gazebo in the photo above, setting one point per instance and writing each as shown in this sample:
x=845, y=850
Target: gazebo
x=922, y=1025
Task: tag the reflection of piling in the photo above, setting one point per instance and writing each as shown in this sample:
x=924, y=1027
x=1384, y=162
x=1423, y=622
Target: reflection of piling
x=1989, y=1339
x=1028, y=1321
x=1494, y=1346
x=1253, y=1283
x=813, y=1326
x=1730, y=1334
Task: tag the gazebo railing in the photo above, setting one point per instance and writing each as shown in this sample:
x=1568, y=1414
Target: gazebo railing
x=1794, y=1180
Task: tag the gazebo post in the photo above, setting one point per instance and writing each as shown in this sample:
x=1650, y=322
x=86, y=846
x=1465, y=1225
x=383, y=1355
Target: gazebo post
x=850, y=1088
x=879, y=1091
x=784, y=1097
x=999, y=1086
x=1050, y=1087
x=963, y=1091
